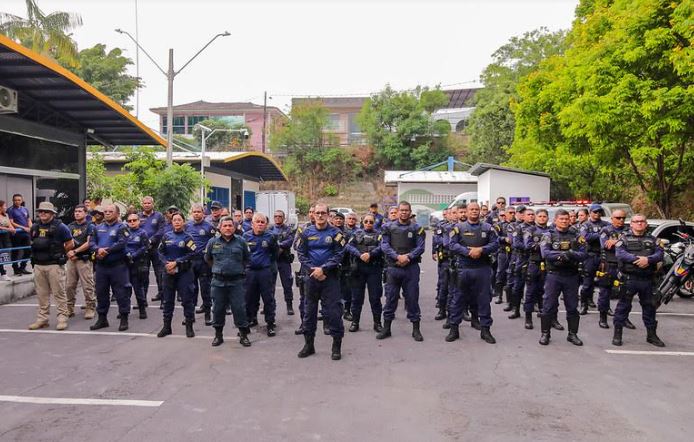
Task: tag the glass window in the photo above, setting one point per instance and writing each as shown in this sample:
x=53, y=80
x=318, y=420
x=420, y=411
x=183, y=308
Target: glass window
x=30, y=153
x=195, y=119
x=333, y=122
x=63, y=193
x=179, y=125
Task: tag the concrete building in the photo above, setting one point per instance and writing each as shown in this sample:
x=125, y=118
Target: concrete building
x=235, y=177
x=428, y=189
x=516, y=185
x=185, y=116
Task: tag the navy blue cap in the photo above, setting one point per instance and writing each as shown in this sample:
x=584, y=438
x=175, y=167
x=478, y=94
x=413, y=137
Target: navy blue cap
x=595, y=207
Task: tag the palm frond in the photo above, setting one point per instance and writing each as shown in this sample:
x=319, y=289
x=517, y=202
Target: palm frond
x=63, y=21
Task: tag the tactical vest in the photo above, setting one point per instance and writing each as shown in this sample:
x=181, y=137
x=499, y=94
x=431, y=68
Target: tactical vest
x=365, y=242
x=470, y=237
x=46, y=248
x=403, y=241
x=639, y=246
x=594, y=245
x=610, y=256
x=79, y=234
x=536, y=237
x=563, y=242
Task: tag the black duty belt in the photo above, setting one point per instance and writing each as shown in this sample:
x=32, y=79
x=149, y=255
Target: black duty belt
x=223, y=277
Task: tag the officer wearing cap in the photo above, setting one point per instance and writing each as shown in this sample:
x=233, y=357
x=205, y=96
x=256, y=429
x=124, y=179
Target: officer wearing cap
x=638, y=254
x=535, y=276
x=378, y=218
x=513, y=232
x=201, y=231
x=79, y=267
x=562, y=249
x=152, y=222
x=473, y=242
x=607, y=272
x=504, y=230
x=403, y=245
x=285, y=239
x=521, y=266
x=51, y=240
x=228, y=256
x=320, y=248
x=111, y=272
x=440, y=254
x=136, y=249
x=259, y=273
x=591, y=230
x=247, y=223
x=215, y=213
x=344, y=269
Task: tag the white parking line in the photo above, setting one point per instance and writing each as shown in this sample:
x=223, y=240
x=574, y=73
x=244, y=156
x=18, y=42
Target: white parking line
x=639, y=313
x=79, y=401
x=105, y=333
x=79, y=305
x=651, y=353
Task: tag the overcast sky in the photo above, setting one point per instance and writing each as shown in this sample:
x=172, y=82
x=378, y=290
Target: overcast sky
x=327, y=47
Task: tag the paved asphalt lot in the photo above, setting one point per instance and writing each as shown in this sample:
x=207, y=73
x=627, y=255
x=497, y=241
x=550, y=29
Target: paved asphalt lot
x=395, y=389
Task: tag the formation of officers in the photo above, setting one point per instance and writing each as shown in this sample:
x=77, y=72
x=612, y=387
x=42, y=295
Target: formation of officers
x=229, y=264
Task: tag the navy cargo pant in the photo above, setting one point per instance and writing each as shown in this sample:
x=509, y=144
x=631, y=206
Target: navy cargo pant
x=284, y=270
x=327, y=292
x=158, y=269
x=557, y=283
x=605, y=284
x=181, y=283
x=535, y=286
x=643, y=287
x=346, y=290
x=407, y=279
x=503, y=259
x=590, y=266
x=442, y=284
x=259, y=284
x=474, y=289
x=138, y=273
x=510, y=272
x=367, y=277
x=112, y=278
x=229, y=292
x=519, y=276
x=202, y=278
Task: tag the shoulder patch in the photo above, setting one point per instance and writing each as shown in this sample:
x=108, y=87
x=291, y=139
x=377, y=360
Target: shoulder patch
x=420, y=231
x=191, y=245
x=581, y=239
x=339, y=237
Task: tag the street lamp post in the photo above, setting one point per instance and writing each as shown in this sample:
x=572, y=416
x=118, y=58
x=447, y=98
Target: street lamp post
x=170, y=74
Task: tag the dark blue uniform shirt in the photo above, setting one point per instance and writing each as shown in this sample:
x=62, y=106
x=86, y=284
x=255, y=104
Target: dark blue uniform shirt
x=320, y=247
x=263, y=249
x=113, y=238
x=201, y=233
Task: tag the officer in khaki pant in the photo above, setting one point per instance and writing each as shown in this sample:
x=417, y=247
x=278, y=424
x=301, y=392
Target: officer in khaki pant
x=50, y=241
x=79, y=268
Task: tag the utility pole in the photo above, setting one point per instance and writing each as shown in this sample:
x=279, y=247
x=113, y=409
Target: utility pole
x=137, y=65
x=264, y=119
x=169, y=112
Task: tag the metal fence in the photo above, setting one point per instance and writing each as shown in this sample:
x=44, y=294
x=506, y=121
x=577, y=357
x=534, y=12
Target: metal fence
x=6, y=255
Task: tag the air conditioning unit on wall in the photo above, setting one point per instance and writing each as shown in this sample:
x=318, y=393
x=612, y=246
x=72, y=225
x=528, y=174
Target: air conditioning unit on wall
x=8, y=100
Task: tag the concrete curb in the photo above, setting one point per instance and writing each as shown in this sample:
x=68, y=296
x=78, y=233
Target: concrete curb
x=19, y=287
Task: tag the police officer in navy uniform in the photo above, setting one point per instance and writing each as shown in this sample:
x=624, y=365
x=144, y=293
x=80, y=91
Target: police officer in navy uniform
x=638, y=254
x=403, y=245
x=535, y=277
x=439, y=254
x=320, y=248
x=474, y=242
x=504, y=230
x=364, y=248
x=247, y=223
x=215, y=213
x=111, y=272
x=607, y=272
x=563, y=248
x=521, y=265
x=338, y=221
x=201, y=231
x=176, y=251
x=260, y=272
x=300, y=280
x=378, y=218
x=228, y=255
x=285, y=239
x=453, y=266
x=152, y=222
x=513, y=230
x=136, y=250
x=591, y=230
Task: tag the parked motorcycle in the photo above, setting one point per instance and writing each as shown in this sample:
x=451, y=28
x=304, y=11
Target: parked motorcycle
x=678, y=278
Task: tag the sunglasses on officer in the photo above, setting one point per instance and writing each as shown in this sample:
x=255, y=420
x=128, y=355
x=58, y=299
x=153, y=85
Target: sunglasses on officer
x=132, y=220
x=368, y=221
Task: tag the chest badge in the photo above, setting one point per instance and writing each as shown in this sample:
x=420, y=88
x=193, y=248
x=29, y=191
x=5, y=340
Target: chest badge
x=409, y=234
x=555, y=246
x=201, y=232
x=181, y=244
x=328, y=239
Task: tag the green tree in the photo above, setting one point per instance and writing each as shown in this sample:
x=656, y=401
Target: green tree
x=400, y=127
x=107, y=72
x=228, y=136
x=491, y=125
x=99, y=185
x=47, y=34
x=619, y=103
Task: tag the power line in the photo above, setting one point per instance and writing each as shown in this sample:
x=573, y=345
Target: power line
x=368, y=94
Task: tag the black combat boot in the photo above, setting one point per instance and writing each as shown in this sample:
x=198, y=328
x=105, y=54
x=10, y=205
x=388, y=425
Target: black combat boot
x=243, y=336
x=123, y=322
x=486, y=336
x=610, y=312
x=591, y=303
x=446, y=324
x=509, y=305
x=603, y=320
x=208, y=316
x=228, y=311
x=629, y=325
x=218, y=336
x=529, y=320
x=200, y=309
x=573, y=331
x=545, y=327
x=377, y=323
x=326, y=328
x=474, y=319
x=354, y=326
x=584, y=308
x=441, y=314
x=385, y=332
x=466, y=315
x=271, y=329
x=556, y=324
x=101, y=322
x=416, y=334
x=336, y=352
x=652, y=337
x=347, y=316
x=308, y=349
x=499, y=293
x=290, y=309
x=190, y=333
x=617, y=337
x=300, y=330
x=253, y=322
x=143, y=311
x=156, y=297
x=516, y=309
x=453, y=333
x=166, y=329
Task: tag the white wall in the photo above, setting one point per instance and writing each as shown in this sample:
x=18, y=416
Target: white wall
x=483, y=188
x=514, y=184
x=217, y=180
x=252, y=186
x=441, y=193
